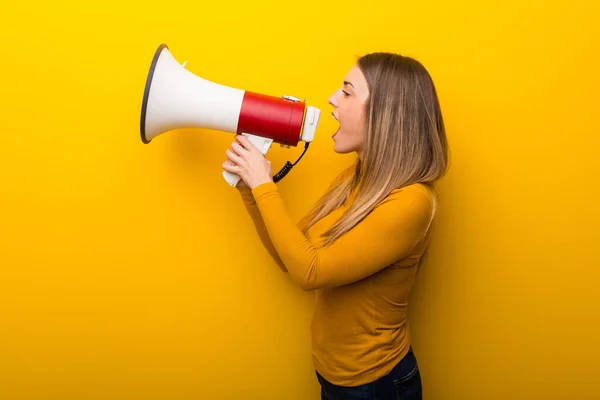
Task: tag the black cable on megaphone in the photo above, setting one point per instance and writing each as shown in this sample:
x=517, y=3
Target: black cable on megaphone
x=288, y=166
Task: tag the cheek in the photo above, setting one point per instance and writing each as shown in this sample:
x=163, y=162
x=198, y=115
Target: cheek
x=350, y=117
x=356, y=125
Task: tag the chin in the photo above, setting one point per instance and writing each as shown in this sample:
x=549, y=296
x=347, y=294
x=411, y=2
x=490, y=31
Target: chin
x=342, y=149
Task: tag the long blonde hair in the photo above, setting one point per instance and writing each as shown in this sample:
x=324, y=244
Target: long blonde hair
x=405, y=140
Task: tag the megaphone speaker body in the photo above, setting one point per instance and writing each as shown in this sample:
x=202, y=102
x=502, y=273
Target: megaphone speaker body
x=175, y=98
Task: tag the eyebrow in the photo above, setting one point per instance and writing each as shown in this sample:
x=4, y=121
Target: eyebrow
x=348, y=83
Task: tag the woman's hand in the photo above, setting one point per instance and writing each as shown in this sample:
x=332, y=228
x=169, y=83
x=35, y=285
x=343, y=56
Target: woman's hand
x=244, y=159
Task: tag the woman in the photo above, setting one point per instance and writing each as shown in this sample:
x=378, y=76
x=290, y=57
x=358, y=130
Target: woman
x=359, y=248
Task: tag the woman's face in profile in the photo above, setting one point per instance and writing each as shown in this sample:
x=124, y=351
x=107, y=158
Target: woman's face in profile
x=348, y=104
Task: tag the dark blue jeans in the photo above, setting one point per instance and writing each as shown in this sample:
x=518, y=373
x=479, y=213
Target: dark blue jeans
x=402, y=383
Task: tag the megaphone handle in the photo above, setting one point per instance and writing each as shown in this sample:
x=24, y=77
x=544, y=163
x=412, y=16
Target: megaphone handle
x=261, y=143
x=230, y=178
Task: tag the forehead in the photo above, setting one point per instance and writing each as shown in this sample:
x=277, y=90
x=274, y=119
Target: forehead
x=355, y=77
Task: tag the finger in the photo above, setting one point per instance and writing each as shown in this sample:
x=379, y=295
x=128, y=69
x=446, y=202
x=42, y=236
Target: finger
x=245, y=142
x=238, y=149
x=229, y=167
x=234, y=158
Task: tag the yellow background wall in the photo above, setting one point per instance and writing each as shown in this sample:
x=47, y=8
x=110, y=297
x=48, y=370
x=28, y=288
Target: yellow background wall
x=131, y=271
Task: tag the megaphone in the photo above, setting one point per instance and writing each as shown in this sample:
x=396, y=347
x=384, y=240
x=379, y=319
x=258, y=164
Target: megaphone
x=176, y=98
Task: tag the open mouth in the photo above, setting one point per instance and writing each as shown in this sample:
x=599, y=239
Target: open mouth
x=338, y=128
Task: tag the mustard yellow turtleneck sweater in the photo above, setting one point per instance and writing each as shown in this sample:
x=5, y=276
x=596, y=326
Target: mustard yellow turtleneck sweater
x=362, y=281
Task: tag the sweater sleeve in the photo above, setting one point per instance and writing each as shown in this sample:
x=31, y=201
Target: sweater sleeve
x=259, y=225
x=386, y=235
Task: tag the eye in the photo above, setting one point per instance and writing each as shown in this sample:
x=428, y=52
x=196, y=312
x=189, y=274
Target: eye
x=346, y=94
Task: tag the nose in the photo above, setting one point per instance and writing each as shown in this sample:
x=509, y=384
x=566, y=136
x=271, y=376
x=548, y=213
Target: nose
x=333, y=98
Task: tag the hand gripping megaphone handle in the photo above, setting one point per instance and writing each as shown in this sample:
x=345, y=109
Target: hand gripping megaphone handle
x=261, y=143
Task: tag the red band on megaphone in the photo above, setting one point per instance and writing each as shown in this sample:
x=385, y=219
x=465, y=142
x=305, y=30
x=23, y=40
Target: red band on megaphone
x=271, y=117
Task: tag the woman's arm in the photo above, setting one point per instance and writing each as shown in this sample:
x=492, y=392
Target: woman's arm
x=259, y=225
x=386, y=235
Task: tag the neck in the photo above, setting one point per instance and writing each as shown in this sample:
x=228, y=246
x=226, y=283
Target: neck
x=359, y=154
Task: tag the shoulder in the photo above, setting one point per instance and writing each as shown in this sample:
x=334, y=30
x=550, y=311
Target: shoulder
x=417, y=190
x=405, y=212
x=416, y=200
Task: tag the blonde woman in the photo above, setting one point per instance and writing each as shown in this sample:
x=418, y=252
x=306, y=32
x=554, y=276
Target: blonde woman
x=360, y=246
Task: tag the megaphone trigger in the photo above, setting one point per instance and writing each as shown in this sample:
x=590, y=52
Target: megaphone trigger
x=263, y=144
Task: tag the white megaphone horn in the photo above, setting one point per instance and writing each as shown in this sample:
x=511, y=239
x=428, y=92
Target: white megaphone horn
x=176, y=98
